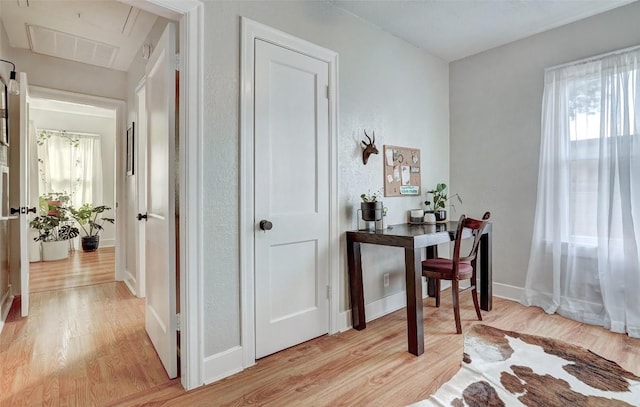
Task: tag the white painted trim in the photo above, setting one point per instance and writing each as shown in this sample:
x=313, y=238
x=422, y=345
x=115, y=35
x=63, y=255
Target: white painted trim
x=508, y=292
x=387, y=305
x=379, y=308
x=107, y=242
x=190, y=14
x=141, y=180
x=251, y=31
x=5, y=306
x=376, y=309
x=223, y=364
x=130, y=282
x=191, y=195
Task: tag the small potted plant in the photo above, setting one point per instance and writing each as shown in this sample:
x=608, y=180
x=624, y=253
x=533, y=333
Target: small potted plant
x=439, y=200
x=87, y=218
x=371, y=207
x=54, y=231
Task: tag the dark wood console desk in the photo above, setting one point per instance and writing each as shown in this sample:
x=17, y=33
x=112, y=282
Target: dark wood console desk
x=413, y=238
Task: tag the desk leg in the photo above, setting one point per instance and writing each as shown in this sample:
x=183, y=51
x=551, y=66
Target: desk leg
x=486, y=272
x=354, y=264
x=415, y=324
x=432, y=253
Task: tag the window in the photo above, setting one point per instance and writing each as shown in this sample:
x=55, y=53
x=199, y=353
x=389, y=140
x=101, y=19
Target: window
x=585, y=251
x=70, y=164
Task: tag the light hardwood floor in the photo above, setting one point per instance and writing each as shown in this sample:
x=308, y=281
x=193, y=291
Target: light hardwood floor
x=78, y=270
x=79, y=346
x=99, y=355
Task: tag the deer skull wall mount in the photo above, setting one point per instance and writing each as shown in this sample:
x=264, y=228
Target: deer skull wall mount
x=369, y=148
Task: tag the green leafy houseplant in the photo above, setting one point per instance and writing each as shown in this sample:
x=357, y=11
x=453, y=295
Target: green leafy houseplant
x=439, y=200
x=370, y=206
x=54, y=228
x=90, y=223
x=370, y=197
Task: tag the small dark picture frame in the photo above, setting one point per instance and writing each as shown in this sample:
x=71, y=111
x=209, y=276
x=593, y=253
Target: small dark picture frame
x=4, y=113
x=130, y=148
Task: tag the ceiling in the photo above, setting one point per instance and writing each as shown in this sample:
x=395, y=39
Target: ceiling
x=110, y=34
x=103, y=33
x=454, y=29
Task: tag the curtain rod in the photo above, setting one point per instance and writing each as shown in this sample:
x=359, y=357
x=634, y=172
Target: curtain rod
x=74, y=133
x=594, y=58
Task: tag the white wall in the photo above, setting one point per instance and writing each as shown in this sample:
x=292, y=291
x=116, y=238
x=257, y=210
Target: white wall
x=385, y=85
x=496, y=102
x=103, y=123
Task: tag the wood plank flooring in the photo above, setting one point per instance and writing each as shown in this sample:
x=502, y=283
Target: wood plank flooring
x=83, y=346
x=78, y=270
x=373, y=368
x=74, y=351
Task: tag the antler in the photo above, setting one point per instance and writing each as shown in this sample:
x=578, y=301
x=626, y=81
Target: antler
x=367, y=136
x=370, y=147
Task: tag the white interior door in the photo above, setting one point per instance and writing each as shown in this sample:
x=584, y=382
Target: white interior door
x=24, y=193
x=291, y=148
x=160, y=310
x=141, y=187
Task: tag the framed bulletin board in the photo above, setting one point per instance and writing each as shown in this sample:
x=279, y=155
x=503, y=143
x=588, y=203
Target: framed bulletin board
x=401, y=171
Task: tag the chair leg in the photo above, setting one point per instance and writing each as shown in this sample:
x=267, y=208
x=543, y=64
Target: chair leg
x=437, y=293
x=456, y=304
x=474, y=294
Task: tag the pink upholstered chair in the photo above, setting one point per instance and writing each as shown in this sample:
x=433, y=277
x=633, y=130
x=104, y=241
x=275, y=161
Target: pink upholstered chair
x=458, y=268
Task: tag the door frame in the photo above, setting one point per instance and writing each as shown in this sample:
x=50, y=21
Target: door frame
x=189, y=14
x=252, y=30
x=141, y=186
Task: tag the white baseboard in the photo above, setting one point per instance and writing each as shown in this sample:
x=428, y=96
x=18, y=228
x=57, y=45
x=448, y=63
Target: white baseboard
x=107, y=242
x=229, y=362
x=130, y=282
x=5, y=305
x=387, y=305
x=222, y=365
x=381, y=307
x=508, y=292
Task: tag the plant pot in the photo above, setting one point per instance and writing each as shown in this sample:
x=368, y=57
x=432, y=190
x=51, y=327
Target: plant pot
x=429, y=218
x=90, y=243
x=56, y=250
x=441, y=215
x=371, y=210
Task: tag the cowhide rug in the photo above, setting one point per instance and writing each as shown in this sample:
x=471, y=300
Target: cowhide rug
x=502, y=368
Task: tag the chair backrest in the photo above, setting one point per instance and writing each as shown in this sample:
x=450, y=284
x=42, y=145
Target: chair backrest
x=477, y=227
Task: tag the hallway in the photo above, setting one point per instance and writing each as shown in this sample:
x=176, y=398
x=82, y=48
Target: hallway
x=80, y=346
x=80, y=269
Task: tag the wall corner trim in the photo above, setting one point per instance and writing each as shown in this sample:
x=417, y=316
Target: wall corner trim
x=223, y=364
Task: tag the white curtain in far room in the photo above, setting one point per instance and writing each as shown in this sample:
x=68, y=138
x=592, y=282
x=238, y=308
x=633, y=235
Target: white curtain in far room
x=70, y=163
x=585, y=254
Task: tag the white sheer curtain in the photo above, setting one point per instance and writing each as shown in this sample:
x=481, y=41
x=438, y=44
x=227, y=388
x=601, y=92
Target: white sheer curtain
x=70, y=163
x=585, y=256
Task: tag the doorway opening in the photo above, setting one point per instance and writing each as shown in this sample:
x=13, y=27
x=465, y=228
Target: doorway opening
x=72, y=148
x=189, y=14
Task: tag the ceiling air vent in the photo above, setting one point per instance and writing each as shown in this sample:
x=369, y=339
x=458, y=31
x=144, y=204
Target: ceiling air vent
x=68, y=46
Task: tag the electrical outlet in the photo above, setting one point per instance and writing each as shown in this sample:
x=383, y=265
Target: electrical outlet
x=385, y=279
